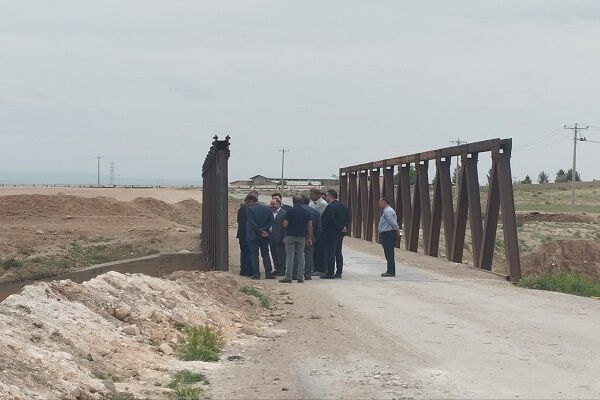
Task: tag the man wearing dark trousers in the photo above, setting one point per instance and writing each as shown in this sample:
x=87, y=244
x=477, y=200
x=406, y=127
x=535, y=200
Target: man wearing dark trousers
x=260, y=219
x=388, y=235
x=298, y=235
x=276, y=237
x=242, y=220
x=333, y=225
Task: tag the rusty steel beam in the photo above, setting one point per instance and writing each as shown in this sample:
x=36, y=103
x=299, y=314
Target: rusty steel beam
x=363, y=201
x=460, y=224
x=376, y=195
x=509, y=219
x=388, y=186
x=404, y=197
x=447, y=204
x=352, y=188
x=436, y=215
x=345, y=198
x=369, y=211
x=472, y=177
x=415, y=218
x=475, y=147
x=423, y=188
x=491, y=219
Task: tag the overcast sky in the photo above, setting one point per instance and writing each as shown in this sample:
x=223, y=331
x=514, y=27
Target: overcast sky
x=146, y=84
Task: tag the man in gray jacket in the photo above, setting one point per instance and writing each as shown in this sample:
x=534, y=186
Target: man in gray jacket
x=310, y=250
x=276, y=237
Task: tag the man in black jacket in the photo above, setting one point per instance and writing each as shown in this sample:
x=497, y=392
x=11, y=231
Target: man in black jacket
x=260, y=219
x=333, y=226
x=242, y=220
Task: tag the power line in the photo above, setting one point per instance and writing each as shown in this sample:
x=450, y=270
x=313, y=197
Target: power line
x=534, y=142
x=546, y=143
x=575, y=128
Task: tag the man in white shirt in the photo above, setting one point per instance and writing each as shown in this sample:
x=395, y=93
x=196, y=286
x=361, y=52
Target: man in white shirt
x=388, y=235
x=317, y=203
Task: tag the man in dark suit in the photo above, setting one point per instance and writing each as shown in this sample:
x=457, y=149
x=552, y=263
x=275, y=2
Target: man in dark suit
x=242, y=220
x=260, y=219
x=333, y=222
x=276, y=238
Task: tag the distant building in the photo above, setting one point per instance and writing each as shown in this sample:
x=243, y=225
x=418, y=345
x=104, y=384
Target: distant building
x=260, y=181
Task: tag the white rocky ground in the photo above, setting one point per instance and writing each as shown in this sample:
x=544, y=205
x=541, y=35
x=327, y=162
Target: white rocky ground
x=116, y=333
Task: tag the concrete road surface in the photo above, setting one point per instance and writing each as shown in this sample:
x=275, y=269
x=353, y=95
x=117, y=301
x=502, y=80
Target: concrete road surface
x=437, y=330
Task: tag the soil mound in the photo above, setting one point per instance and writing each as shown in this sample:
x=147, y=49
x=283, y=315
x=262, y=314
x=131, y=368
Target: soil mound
x=116, y=333
x=543, y=217
x=188, y=211
x=581, y=256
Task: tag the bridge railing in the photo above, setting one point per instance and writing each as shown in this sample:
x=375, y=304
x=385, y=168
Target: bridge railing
x=362, y=185
x=215, y=199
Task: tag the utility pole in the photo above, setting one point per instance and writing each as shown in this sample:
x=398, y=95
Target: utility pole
x=99, y=158
x=283, y=151
x=112, y=173
x=457, y=142
x=576, y=138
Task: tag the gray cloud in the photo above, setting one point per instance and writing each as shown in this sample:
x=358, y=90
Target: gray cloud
x=148, y=84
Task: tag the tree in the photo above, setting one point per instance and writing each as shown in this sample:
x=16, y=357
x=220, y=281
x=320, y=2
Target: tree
x=569, y=176
x=561, y=176
x=543, y=178
x=412, y=176
x=527, y=180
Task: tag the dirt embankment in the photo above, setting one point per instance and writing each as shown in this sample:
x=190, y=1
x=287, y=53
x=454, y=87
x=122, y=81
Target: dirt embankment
x=44, y=235
x=580, y=256
x=118, y=333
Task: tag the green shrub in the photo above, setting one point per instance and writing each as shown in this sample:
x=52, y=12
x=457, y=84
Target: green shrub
x=187, y=377
x=187, y=393
x=201, y=343
x=265, y=301
x=10, y=263
x=563, y=282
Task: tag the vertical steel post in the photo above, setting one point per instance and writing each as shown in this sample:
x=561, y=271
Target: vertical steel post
x=436, y=214
x=491, y=218
x=404, y=196
x=462, y=209
x=447, y=204
x=474, y=207
x=423, y=188
x=509, y=219
x=376, y=195
x=355, y=206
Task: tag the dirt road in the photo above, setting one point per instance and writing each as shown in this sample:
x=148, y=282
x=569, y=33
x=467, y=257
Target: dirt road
x=435, y=331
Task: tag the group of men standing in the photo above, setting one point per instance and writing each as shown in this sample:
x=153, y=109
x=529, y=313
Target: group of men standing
x=305, y=239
